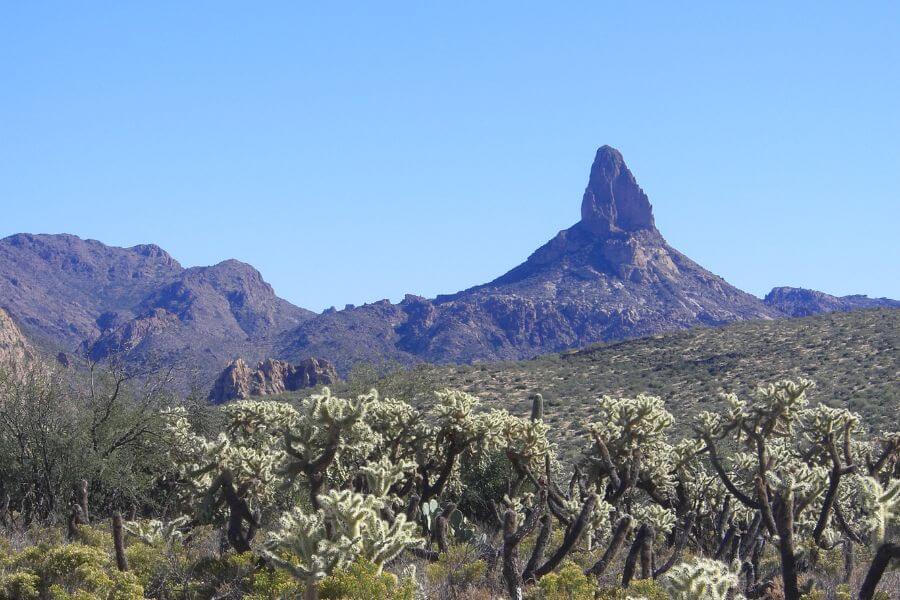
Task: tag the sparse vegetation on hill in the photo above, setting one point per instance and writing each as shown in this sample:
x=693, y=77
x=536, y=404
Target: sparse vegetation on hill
x=854, y=358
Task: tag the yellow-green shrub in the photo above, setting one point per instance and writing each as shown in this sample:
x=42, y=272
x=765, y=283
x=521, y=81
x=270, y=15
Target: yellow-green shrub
x=566, y=583
x=21, y=585
x=457, y=568
x=67, y=572
x=647, y=589
x=362, y=581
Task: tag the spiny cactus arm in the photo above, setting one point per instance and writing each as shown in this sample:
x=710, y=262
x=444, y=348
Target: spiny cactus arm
x=727, y=539
x=119, y=542
x=510, y=555
x=716, y=462
x=609, y=469
x=615, y=545
x=724, y=516
x=630, y=561
x=332, y=444
x=573, y=534
x=512, y=537
x=883, y=556
x=412, y=507
x=516, y=535
x=649, y=488
x=890, y=453
x=313, y=469
x=429, y=490
x=841, y=520
x=442, y=527
x=784, y=526
x=537, y=407
x=239, y=512
x=834, y=479
x=751, y=536
x=540, y=546
x=680, y=543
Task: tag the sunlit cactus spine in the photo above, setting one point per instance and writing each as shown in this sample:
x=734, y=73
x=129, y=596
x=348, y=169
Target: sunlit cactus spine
x=701, y=579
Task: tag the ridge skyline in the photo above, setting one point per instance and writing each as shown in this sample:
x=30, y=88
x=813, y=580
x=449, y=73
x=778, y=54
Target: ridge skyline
x=609, y=276
x=445, y=290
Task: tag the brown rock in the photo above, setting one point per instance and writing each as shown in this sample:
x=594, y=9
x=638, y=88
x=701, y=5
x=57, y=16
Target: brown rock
x=15, y=351
x=270, y=376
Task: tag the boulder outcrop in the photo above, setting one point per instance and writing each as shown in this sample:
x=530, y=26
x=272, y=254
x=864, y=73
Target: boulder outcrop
x=270, y=376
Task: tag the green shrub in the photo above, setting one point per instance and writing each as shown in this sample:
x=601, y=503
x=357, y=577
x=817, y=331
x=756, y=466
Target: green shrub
x=566, y=583
x=455, y=570
x=67, y=572
x=646, y=589
x=362, y=581
x=21, y=585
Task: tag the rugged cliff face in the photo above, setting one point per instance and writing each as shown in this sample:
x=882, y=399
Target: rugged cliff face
x=15, y=351
x=798, y=302
x=610, y=276
x=239, y=381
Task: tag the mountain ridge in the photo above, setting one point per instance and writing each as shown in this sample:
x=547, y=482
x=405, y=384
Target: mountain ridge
x=611, y=275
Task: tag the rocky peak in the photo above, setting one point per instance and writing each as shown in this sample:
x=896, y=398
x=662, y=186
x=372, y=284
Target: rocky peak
x=800, y=302
x=270, y=376
x=613, y=201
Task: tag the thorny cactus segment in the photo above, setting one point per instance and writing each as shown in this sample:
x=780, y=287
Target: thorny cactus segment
x=701, y=579
x=348, y=527
x=155, y=532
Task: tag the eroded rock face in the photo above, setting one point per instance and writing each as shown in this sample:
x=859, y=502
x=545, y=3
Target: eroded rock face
x=270, y=376
x=799, y=302
x=15, y=351
x=613, y=200
x=610, y=276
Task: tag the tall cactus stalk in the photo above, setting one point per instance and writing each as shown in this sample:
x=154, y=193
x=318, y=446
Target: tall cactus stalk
x=119, y=542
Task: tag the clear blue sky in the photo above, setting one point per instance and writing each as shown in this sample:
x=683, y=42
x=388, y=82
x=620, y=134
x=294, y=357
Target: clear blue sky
x=359, y=151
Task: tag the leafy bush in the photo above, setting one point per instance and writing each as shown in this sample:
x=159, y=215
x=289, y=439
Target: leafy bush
x=567, y=583
x=455, y=571
x=362, y=580
x=71, y=571
x=643, y=589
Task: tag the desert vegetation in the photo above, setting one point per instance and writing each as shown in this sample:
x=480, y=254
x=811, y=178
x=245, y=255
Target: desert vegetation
x=114, y=488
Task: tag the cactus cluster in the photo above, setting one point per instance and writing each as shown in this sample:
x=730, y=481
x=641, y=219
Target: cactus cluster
x=370, y=478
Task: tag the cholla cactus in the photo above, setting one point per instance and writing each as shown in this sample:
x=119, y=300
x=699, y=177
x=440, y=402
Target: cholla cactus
x=871, y=506
x=382, y=475
x=629, y=441
x=348, y=526
x=235, y=474
x=326, y=440
x=662, y=520
x=523, y=441
x=155, y=532
x=701, y=579
x=300, y=545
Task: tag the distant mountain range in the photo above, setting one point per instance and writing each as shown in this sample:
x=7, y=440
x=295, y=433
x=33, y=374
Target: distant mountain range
x=610, y=276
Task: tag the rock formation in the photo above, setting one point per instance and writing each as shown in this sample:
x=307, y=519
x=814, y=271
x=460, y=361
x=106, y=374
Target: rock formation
x=239, y=381
x=799, y=302
x=610, y=276
x=15, y=351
